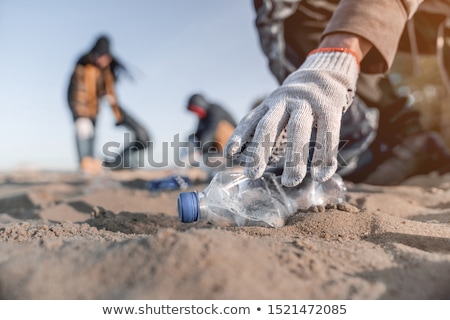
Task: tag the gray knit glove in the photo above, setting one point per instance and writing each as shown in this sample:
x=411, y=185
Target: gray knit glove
x=317, y=94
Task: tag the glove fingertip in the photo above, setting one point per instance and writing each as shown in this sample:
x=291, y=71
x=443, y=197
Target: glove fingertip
x=323, y=174
x=254, y=172
x=289, y=180
x=293, y=176
x=232, y=146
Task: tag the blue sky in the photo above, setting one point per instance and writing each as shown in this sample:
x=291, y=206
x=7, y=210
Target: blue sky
x=173, y=48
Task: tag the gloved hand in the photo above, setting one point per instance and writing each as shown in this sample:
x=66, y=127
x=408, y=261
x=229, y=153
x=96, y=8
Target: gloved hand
x=119, y=114
x=119, y=123
x=317, y=94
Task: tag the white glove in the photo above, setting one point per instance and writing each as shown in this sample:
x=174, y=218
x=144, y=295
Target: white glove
x=317, y=94
x=84, y=128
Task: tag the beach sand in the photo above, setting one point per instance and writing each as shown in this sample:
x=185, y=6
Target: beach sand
x=68, y=236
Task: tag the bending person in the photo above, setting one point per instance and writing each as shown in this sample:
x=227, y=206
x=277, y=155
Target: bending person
x=94, y=77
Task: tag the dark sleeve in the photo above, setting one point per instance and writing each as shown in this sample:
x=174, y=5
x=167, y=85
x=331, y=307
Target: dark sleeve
x=207, y=128
x=205, y=131
x=270, y=15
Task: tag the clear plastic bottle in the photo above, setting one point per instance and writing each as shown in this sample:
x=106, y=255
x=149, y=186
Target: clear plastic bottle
x=233, y=199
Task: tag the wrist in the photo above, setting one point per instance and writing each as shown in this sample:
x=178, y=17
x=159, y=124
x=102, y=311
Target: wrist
x=338, y=49
x=356, y=44
x=341, y=60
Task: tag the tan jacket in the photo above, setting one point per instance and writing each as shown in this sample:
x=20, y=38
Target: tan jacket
x=382, y=23
x=87, y=85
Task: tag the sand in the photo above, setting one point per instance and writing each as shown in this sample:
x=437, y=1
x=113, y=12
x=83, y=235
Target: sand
x=68, y=236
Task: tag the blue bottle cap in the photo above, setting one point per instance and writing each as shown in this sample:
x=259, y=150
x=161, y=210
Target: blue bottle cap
x=188, y=207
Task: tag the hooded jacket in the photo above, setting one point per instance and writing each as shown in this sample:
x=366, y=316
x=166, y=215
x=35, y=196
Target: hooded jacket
x=89, y=83
x=215, y=124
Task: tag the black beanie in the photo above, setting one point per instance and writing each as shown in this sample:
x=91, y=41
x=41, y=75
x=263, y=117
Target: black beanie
x=101, y=47
x=198, y=100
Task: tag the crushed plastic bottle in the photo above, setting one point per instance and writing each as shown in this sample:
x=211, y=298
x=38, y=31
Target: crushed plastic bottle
x=233, y=199
x=313, y=193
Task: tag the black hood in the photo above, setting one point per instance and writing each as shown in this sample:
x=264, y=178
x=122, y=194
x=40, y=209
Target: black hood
x=198, y=100
x=101, y=47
